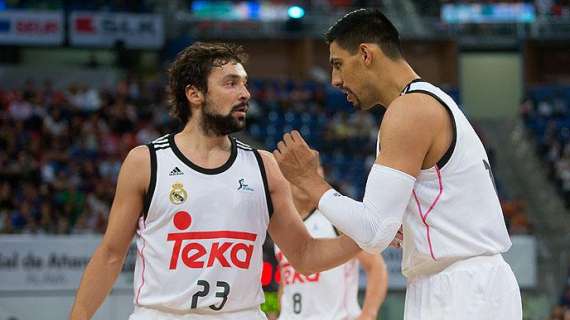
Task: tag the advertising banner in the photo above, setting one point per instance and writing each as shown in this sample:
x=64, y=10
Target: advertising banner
x=135, y=31
x=31, y=27
x=52, y=262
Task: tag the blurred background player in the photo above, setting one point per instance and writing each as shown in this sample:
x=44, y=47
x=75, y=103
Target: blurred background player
x=331, y=294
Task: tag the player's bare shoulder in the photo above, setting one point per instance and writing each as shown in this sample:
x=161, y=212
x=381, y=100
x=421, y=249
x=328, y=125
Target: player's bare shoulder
x=138, y=157
x=414, y=111
x=136, y=167
x=271, y=166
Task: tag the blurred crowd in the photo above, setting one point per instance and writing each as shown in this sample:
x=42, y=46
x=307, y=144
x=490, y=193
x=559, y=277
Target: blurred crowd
x=346, y=139
x=547, y=8
x=62, y=148
x=544, y=111
x=553, y=8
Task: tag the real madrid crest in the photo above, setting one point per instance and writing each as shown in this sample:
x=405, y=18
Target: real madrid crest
x=178, y=195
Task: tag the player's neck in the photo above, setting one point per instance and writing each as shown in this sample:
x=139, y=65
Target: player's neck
x=402, y=74
x=199, y=141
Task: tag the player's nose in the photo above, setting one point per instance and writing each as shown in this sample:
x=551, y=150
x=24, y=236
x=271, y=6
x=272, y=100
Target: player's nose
x=245, y=94
x=336, y=81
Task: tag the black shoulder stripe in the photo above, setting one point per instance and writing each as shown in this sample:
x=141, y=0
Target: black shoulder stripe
x=152, y=183
x=407, y=87
x=265, y=184
x=445, y=158
x=164, y=138
x=244, y=148
x=336, y=231
x=243, y=145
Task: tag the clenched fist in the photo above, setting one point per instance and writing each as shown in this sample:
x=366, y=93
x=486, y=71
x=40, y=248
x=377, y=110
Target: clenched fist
x=298, y=162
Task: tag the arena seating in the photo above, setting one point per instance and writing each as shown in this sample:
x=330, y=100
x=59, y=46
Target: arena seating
x=546, y=116
x=68, y=144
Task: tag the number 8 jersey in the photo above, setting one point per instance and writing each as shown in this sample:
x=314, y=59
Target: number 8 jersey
x=200, y=240
x=330, y=294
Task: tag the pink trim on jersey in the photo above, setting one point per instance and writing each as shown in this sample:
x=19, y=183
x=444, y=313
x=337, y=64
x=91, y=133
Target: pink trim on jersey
x=424, y=216
x=141, y=253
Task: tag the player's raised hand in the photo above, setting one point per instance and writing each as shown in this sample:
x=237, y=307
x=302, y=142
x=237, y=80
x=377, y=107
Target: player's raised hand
x=296, y=159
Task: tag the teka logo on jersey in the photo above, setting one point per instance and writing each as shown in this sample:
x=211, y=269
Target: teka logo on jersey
x=233, y=249
x=290, y=276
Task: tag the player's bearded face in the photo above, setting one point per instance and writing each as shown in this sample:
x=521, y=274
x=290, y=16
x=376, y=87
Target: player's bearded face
x=221, y=124
x=226, y=102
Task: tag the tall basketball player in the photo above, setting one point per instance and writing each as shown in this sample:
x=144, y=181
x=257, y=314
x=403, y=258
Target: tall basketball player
x=331, y=294
x=201, y=203
x=431, y=175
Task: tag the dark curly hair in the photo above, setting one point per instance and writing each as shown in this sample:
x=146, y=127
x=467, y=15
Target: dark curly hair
x=192, y=67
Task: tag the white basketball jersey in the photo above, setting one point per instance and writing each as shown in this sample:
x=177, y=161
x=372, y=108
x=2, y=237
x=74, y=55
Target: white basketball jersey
x=327, y=295
x=200, y=241
x=454, y=211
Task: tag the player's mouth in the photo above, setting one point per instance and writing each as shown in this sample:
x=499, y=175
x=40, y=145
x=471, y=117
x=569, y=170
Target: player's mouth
x=240, y=110
x=349, y=95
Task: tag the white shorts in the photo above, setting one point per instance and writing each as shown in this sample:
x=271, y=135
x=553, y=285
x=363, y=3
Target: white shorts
x=478, y=288
x=142, y=313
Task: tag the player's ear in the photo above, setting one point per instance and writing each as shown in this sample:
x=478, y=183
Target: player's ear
x=194, y=95
x=366, y=53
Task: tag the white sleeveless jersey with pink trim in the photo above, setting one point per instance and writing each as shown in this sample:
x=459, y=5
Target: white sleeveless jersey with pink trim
x=454, y=211
x=200, y=241
x=330, y=294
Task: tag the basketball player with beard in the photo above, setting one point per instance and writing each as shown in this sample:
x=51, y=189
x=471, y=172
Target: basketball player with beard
x=201, y=203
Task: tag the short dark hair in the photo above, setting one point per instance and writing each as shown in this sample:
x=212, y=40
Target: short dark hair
x=366, y=25
x=193, y=66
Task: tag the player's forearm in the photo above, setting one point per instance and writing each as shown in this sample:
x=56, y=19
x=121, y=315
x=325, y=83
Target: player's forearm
x=376, y=289
x=372, y=223
x=98, y=279
x=326, y=253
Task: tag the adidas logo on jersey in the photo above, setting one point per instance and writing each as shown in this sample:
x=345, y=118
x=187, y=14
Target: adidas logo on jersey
x=176, y=172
